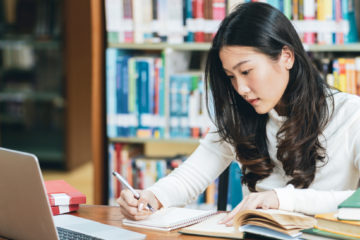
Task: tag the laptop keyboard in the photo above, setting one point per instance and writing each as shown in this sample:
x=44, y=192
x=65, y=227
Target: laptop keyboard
x=66, y=234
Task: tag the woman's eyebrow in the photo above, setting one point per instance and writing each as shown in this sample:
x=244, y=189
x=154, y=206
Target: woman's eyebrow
x=236, y=65
x=239, y=64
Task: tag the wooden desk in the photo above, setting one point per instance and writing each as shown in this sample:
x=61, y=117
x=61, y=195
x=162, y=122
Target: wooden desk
x=112, y=216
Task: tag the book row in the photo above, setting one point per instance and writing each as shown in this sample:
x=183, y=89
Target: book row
x=139, y=103
x=178, y=21
x=343, y=74
x=25, y=68
x=41, y=19
x=320, y=21
x=143, y=171
x=173, y=21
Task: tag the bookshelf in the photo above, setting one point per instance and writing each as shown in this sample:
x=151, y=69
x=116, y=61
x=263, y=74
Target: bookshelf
x=42, y=109
x=101, y=141
x=351, y=47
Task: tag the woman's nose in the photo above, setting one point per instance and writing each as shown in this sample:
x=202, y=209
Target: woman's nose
x=241, y=87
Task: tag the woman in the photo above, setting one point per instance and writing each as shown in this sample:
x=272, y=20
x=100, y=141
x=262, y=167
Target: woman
x=297, y=140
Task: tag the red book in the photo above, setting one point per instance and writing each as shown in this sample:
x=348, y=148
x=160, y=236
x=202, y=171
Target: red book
x=198, y=11
x=56, y=210
x=61, y=193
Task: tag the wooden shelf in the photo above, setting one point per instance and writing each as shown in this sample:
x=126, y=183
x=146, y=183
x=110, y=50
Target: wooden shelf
x=35, y=96
x=161, y=46
x=151, y=140
x=353, y=47
x=37, y=44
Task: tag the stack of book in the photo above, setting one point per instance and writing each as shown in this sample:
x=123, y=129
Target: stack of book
x=63, y=197
x=343, y=224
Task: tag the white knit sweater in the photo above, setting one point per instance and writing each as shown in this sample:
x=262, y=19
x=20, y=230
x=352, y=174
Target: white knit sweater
x=333, y=182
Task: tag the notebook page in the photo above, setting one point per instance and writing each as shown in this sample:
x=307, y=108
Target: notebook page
x=171, y=218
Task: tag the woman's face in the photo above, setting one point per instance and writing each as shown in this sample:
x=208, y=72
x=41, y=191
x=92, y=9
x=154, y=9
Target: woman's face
x=260, y=80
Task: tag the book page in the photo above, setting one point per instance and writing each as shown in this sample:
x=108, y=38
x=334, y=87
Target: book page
x=282, y=221
x=211, y=227
x=171, y=218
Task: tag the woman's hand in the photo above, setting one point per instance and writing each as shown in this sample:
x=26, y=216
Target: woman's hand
x=135, y=209
x=264, y=200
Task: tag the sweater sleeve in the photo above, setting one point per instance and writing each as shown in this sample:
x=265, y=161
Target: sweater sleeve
x=310, y=201
x=204, y=165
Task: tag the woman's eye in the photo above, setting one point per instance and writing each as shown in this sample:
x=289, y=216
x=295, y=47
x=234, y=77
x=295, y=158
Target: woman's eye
x=230, y=77
x=245, y=72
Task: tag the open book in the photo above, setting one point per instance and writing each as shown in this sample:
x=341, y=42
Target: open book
x=271, y=223
x=168, y=219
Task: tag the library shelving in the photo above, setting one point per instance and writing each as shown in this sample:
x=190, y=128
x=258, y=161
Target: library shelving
x=351, y=47
x=45, y=80
x=195, y=53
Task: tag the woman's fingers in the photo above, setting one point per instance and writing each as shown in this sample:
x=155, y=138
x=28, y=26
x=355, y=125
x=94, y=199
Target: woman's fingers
x=136, y=209
x=264, y=200
x=232, y=214
x=128, y=197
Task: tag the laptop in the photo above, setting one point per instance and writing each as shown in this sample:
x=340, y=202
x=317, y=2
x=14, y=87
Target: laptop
x=25, y=210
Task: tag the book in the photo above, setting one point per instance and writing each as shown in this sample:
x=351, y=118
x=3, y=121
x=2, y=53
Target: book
x=167, y=219
x=235, y=194
x=56, y=210
x=61, y=193
x=282, y=221
x=317, y=234
x=329, y=222
x=350, y=208
x=270, y=223
x=211, y=228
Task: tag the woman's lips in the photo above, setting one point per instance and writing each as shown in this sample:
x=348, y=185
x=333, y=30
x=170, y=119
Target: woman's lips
x=253, y=101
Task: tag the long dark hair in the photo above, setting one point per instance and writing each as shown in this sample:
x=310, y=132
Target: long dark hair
x=266, y=29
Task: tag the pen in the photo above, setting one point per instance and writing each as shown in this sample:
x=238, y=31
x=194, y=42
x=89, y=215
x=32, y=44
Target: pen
x=128, y=186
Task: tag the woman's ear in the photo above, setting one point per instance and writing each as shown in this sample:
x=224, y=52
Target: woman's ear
x=287, y=57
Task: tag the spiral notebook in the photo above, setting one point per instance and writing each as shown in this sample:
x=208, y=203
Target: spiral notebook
x=168, y=219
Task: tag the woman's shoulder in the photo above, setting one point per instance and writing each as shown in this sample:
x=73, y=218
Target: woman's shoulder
x=345, y=106
x=346, y=100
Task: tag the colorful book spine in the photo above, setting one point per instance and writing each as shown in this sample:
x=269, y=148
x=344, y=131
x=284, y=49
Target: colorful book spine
x=174, y=106
x=114, y=18
x=142, y=83
x=342, y=75
x=274, y=3
x=111, y=107
x=128, y=22
x=350, y=75
x=339, y=36
x=189, y=16
x=357, y=72
x=309, y=14
x=295, y=10
x=198, y=11
x=219, y=13
x=132, y=98
x=234, y=188
x=348, y=14
x=184, y=91
x=288, y=9
x=175, y=22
